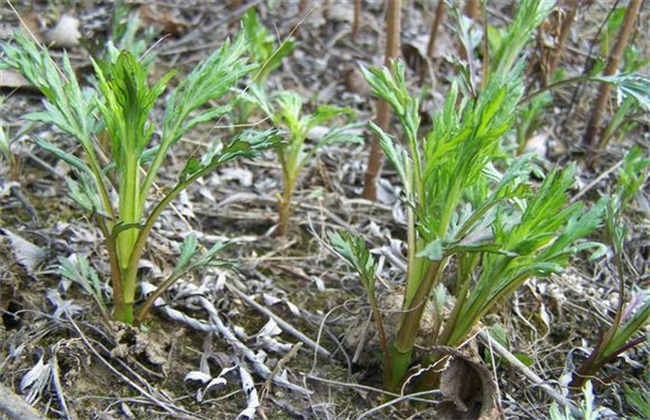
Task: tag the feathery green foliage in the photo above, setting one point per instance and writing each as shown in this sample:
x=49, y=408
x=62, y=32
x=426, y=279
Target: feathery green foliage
x=267, y=55
x=121, y=105
x=262, y=47
x=286, y=113
x=530, y=14
x=495, y=225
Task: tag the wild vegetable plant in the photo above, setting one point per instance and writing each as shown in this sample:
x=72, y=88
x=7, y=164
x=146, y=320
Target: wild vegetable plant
x=627, y=105
x=530, y=117
x=287, y=113
x=588, y=410
x=116, y=185
x=639, y=398
x=494, y=225
x=633, y=313
x=125, y=34
x=262, y=47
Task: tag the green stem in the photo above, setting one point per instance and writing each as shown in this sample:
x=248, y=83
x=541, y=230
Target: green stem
x=143, y=234
x=284, y=208
x=473, y=314
x=376, y=314
x=402, y=347
x=289, y=175
x=576, y=79
x=450, y=204
x=116, y=273
x=97, y=173
x=157, y=161
x=130, y=213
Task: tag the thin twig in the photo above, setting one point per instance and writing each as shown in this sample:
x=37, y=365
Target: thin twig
x=135, y=386
x=285, y=326
x=596, y=181
x=528, y=373
x=412, y=397
x=408, y=397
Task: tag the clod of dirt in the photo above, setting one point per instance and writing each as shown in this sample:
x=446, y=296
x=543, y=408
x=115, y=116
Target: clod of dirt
x=355, y=82
x=10, y=318
x=148, y=347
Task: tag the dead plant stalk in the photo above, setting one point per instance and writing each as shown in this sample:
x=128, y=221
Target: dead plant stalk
x=598, y=110
x=375, y=159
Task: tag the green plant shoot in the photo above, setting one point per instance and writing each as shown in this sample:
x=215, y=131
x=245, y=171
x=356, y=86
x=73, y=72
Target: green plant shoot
x=267, y=55
x=262, y=47
x=497, y=228
x=121, y=105
x=294, y=154
x=633, y=313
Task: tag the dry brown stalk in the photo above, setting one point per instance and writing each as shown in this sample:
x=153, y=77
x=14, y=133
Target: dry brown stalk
x=356, y=24
x=571, y=9
x=437, y=18
x=375, y=159
x=471, y=9
x=234, y=6
x=598, y=110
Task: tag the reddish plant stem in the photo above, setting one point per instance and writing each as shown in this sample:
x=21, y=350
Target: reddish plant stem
x=356, y=24
x=234, y=21
x=598, y=110
x=471, y=11
x=375, y=159
x=437, y=18
x=431, y=46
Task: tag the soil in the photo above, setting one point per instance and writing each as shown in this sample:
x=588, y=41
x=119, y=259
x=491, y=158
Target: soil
x=83, y=365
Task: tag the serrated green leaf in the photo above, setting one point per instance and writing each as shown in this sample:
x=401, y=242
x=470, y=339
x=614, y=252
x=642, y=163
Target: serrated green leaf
x=397, y=155
x=188, y=249
x=69, y=158
x=353, y=250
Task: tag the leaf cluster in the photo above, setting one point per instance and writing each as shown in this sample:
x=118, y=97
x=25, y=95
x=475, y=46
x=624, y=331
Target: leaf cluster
x=262, y=47
x=496, y=224
x=120, y=108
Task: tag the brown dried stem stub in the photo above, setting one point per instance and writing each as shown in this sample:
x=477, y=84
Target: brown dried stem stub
x=598, y=111
x=375, y=160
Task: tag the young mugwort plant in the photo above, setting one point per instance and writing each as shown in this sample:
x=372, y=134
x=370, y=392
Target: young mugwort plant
x=286, y=113
x=115, y=185
x=492, y=228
